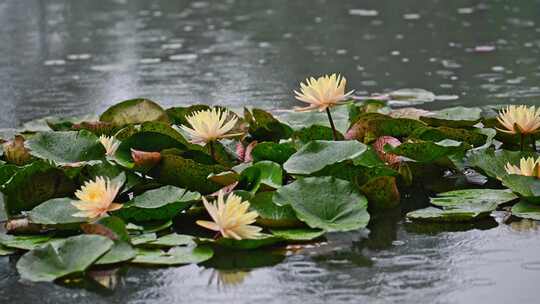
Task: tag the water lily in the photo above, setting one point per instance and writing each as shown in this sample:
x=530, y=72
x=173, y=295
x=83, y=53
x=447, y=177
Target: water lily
x=322, y=94
x=96, y=198
x=110, y=143
x=521, y=120
x=210, y=125
x=527, y=167
x=231, y=218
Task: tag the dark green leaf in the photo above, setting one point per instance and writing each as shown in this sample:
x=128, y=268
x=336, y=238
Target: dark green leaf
x=134, y=111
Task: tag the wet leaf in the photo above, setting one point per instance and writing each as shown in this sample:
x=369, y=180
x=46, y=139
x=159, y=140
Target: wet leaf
x=66, y=148
x=466, y=197
x=264, y=127
x=177, y=115
x=493, y=162
x=441, y=133
x=526, y=187
x=134, y=111
x=298, y=120
x=381, y=192
x=326, y=203
x=266, y=175
x=24, y=242
x=172, y=240
x=55, y=212
x=298, y=234
x=159, y=204
x=315, y=132
x=278, y=153
x=264, y=240
x=456, y=117
x=527, y=210
x=371, y=126
x=58, y=259
x=175, y=256
x=121, y=251
x=427, y=151
x=318, y=154
x=272, y=215
x=467, y=213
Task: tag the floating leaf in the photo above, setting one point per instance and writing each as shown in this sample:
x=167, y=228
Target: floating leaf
x=442, y=133
x=178, y=115
x=371, y=126
x=264, y=127
x=58, y=259
x=272, y=215
x=466, y=197
x=24, y=242
x=298, y=234
x=159, y=204
x=278, y=153
x=66, y=148
x=526, y=210
x=299, y=120
x=315, y=132
x=265, y=174
x=456, y=117
x=172, y=240
x=6, y=251
x=121, y=251
x=527, y=187
x=493, y=162
x=134, y=111
x=467, y=213
x=264, y=240
x=186, y=173
x=175, y=256
x=382, y=192
x=427, y=151
x=318, y=154
x=144, y=238
x=57, y=211
x=34, y=184
x=326, y=203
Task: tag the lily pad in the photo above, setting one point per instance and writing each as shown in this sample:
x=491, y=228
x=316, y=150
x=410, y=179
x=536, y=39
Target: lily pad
x=441, y=133
x=298, y=234
x=172, y=240
x=175, y=256
x=121, y=251
x=456, y=117
x=57, y=211
x=134, y=111
x=278, y=153
x=264, y=174
x=526, y=186
x=466, y=197
x=467, y=213
x=326, y=203
x=526, y=210
x=7, y=251
x=493, y=162
x=298, y=120
x=371, y=126
x=58, y=259
x=159, y=204
x=178, y=115
x=318, y=154
x=263, y=240
x=33, y=184
x=315, y=132
x=427, y=151
x=264, y=127
x=67, y=147
x=144, y=238
x=24, y=242
x=272, y=215
x=382, y=192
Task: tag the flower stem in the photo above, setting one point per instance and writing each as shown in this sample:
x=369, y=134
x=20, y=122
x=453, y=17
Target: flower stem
x=533, y=138
x=212, y=150
x=522, y=141
x=334, y=132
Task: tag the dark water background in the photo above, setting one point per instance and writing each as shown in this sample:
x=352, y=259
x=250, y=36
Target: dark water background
x=78, y=57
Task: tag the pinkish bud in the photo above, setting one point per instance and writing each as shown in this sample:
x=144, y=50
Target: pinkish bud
x=389, y=158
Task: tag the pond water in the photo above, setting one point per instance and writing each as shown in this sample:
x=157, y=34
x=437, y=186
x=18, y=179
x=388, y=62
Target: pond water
x=77, y=57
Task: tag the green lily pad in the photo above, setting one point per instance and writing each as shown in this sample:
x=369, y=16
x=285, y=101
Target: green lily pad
x=264, y=174
x=427, y=151
x=7, y=251
x=57, y=211
x=493, y=162
x=456, y=117
x=318, y=154
x=264, y=127
x=178, y=115
x=6, y=172
x=272, y=215
x=264, y=240
x=467, y=213
x=172, y=240
x=371, y=126
x=159, y=204
x=466, y=197
x=315, y=132
x=186, y=173
x=298, y=234
x=24, y=242
x=298, y=120
x=278, y=153
x=175, y=256
x=325, y=203
x=144, y=238
x=33, y=184
x=67, y=147
x=121, y=251
x=382, y=192
x=58, y=259
x=441, y=133
x=134, y=111
x=526, y=186
x=526, y=210
x=150, y=227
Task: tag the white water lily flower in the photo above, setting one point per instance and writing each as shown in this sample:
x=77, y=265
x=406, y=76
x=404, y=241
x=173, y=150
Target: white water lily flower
x=231, y=218
x=519, y=119
x=110, y=143
x=322, y=93
x=527, y=167
x=210, y=125
x=96, y=198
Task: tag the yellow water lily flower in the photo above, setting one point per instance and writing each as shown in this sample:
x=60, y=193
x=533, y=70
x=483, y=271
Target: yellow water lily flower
x=527, y=167
x=210, y=125
x=322, y=93
x=519, y=119
x=110, y=143
x=96, y=198
x=231, y=218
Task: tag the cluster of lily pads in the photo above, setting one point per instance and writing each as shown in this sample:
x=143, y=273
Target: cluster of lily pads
x=145, y=185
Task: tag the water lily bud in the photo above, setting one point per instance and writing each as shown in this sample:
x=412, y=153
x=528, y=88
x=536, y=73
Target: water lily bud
x=15, y=152
x=389, y=158
x=146, y=160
